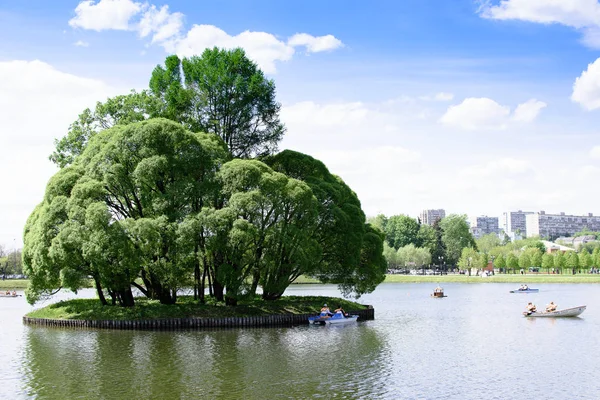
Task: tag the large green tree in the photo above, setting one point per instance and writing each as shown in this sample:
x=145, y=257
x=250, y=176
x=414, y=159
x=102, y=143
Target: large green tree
x=352, y=250
x=221, y=92
x=456, y=236
x=402, y=230
x=225, y=93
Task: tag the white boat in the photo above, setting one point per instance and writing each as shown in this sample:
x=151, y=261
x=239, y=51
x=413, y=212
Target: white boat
x=336, y=319
x=567, y=312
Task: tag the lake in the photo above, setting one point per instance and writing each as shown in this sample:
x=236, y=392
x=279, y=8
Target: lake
x=473, y=344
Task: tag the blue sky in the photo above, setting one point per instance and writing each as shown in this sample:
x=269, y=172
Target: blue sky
x=466, y=105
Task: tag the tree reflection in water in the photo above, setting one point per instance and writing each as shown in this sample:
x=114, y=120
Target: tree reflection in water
x=347, y=361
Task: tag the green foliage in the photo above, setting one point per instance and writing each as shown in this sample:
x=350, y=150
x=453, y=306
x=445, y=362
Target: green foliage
x=456, y=237
x=379, y=222
x=500, y=262
x=512, y=262
x=221, y=92
x=547, y=261
x=119, y=110
x=410, y=255
x=488, y=242
x=352, y=251
x=402, y=230
x=524, y=261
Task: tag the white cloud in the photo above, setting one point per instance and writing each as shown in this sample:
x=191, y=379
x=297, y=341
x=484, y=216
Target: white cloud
x=483, y=113
x=38, y=103
x=106, y=14
x=163, y=24
x=262, y=47
x=586, y=89
x=81, y=43
x=528, y=111
x=595, y=152
x=442, y=96
x=167, y=30
x=315, y=44
x=477, y=113
x=583, y=15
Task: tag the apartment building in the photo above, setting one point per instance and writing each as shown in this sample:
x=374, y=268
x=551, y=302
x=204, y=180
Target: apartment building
x=515, y=221
x=485, y=225
x=554, y=225
x=430, y=216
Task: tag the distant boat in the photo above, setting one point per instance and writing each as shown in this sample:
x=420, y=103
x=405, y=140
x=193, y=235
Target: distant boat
x=438, y=292
x=567, y=312
x=9, y=295
x=528, y=290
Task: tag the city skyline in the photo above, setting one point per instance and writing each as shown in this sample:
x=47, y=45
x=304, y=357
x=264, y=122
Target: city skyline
x=487, y=105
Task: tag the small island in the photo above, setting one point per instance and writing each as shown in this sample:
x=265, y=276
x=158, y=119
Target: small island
x=189, y=314
x=182, y=186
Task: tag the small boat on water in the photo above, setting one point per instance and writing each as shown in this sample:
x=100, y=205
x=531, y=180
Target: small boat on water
x=438, y=292
x=9, y=295
x=335, y=319
x=525, y=290
x=567, y=312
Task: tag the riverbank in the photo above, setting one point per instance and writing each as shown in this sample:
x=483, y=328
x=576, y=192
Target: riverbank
x=499, y=278
x=186, y=307
x=14, y=284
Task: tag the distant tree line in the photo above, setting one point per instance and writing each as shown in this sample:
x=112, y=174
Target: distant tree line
x=408, y=242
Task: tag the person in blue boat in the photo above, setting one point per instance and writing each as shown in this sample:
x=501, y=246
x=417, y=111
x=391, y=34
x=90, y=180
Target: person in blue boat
x=325, y=312
x=339, y=312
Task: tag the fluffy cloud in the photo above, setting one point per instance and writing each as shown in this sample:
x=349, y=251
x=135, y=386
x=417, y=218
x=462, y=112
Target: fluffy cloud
x=315, y=44
x=486, y=114
x=104, y=15
x=166, y=30
x=38, y=103
x=586, y=89
x=583, y=15
x=477, y=113
x=264, y=48
x=81, y=43
x=528, y=111
x=161, y=23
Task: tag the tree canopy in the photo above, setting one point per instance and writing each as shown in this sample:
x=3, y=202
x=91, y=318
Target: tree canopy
x=221, y=92
x=155, y=207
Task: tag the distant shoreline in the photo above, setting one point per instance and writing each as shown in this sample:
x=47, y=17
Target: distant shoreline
x=498, y=278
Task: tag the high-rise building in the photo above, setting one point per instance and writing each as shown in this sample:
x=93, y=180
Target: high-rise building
x=430, y=216
x=554, y=225
x=486, y=225
x=513, y=222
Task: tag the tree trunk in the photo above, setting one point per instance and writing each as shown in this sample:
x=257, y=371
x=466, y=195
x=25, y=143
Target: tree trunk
x=255, y=279
x=99, y=290
x=202, y=286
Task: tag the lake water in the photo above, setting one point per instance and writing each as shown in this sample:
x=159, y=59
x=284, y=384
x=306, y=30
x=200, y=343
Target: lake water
x=473, y=344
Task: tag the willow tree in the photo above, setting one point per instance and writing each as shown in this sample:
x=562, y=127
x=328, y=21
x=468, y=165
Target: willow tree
x=115, y=213
x=352, y=250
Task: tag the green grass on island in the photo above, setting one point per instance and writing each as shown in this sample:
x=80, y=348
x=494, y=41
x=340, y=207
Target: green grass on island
x=92, y=309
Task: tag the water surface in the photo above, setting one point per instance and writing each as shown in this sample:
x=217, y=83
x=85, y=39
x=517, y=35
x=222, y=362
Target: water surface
x=473, y=344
